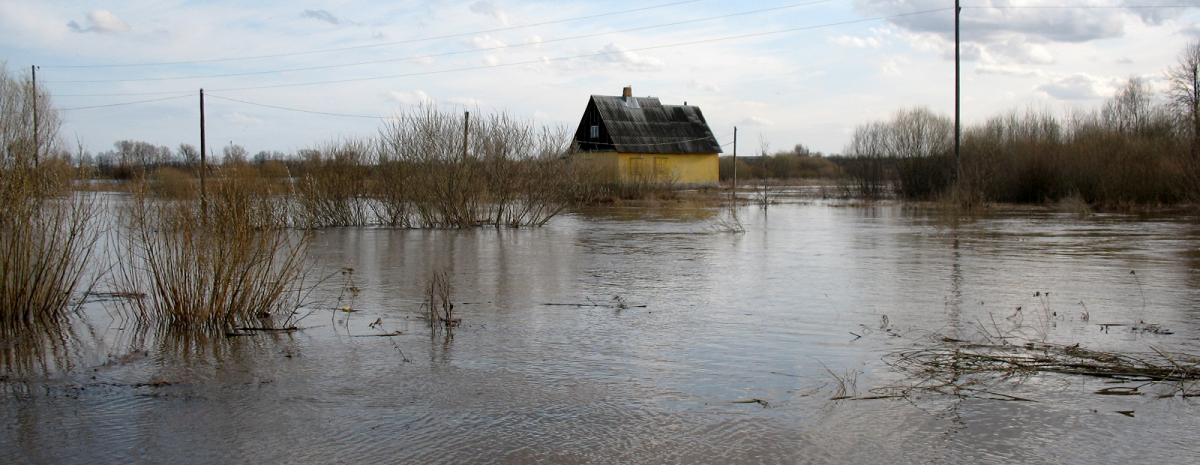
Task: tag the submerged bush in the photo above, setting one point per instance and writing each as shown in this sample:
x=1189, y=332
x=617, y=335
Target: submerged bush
x=47, y=232
x=229, y=259
x=437, y=171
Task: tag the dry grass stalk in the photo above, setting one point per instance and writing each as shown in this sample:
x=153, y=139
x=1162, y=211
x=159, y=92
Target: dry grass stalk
x=441, y=310
x=956, y=367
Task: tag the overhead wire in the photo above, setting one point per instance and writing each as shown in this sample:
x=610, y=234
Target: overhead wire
x=588, y=55
x=461, y=52
x=293, y=109
x=124, y=103
x=544, y=60
x=408, y=41
x=1072, y=7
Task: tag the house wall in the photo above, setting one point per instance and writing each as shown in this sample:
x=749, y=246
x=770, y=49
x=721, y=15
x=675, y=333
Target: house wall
x=682, y=168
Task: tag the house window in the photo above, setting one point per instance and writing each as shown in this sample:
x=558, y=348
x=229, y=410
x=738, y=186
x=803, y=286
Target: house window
x=662, y=168
x=637, y=168
x=595, y=132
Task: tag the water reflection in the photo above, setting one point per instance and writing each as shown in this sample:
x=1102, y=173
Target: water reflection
x=659, y=331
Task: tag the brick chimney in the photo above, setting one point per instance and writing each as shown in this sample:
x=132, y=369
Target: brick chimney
x=627, y=92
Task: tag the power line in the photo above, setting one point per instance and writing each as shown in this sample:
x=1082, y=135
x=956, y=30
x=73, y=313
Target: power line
x=189, y=92
x=293, y=109
x=126, y=103
x=426, y=39
x=544, y=60
x=417, y=57
x=1074, y=7
x=590, y=55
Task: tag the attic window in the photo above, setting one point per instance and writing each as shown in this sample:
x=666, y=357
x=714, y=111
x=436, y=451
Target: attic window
x=595, y=132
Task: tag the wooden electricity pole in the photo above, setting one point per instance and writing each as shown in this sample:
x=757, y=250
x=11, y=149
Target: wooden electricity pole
x=735, y=162
x=36, y=142
x=957, y=121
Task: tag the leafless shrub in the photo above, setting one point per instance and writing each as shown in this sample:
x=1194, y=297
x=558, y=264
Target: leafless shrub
x=867, y=147
x=47, y=232
x=334, y=189
x=499, y=171
x=231, y=259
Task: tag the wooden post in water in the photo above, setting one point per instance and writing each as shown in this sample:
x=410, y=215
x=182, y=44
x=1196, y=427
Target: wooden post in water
x=203, y=160
x=466, y=125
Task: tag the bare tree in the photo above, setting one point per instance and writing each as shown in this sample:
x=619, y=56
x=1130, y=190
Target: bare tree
x=1130, y=110
x=235, y=154
x=1183, y=93
x=189, y=154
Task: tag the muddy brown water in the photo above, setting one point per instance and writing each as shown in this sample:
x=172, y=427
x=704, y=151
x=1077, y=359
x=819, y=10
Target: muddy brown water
x=670, y=335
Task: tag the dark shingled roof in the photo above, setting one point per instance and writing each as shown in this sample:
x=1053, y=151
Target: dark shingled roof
x=644, y=125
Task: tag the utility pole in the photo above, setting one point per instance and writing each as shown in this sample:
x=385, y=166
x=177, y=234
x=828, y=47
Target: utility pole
x=466, y=125
x=957, y=121
x=203, y=168
x=36, y=141
x=735, y=162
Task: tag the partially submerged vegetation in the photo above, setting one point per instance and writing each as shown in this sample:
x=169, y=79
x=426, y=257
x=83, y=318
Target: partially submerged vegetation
x=949, y=366
x=228, y=259
x=47, y=232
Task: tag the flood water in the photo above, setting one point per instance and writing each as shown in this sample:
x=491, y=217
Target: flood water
x=661, y=335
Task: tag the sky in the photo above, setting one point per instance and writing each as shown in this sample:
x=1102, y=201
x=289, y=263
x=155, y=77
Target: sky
x=782, y=72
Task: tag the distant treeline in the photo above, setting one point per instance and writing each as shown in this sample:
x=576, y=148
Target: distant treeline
x=799, y=163
x=1139, y=148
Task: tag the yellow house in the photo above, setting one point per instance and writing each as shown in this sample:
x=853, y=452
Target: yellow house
x=640, y=139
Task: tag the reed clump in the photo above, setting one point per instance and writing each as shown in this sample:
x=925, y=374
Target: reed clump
x=222, y=260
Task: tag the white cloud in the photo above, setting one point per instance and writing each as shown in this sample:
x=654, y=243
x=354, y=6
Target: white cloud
x=705, y=86
x=755, y=121
x=423, y=59
x=1006, y=70
x=416, y=97
x=101, y=22
x=984, y=25
x=893, y=64
x=1191, y=30
x=491, y=60
x=320, y=15
x=489, y=9
x=1078, y=86
x=859, y=42
x=485, y=42
x=464, y=101
x=536, y=41
x=239, y=118
x=618, y=55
